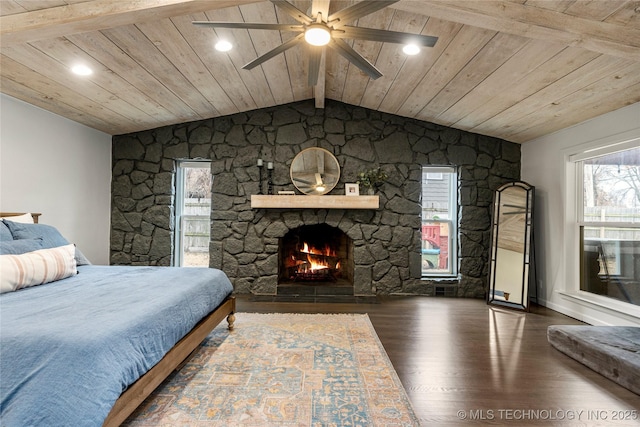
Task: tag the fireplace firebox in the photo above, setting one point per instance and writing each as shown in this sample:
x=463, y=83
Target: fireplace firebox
x=316, y=255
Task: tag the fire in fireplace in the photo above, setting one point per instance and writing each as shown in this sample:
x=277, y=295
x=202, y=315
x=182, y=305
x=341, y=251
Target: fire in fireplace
x=313, y=264
x=316, y=254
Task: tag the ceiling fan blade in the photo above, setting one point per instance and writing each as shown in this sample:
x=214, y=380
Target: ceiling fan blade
x=293, y=11
x=372, y=34
x=354, y=57
x=249, y=25
x=321, y=7
x=302, y=182
x=358, y=10
x=315, y=56
x=284, y=46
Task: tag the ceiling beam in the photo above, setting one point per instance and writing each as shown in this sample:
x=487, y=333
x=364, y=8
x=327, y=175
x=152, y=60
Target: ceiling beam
x=319, y=88
x=534, y=23
x=97, y=15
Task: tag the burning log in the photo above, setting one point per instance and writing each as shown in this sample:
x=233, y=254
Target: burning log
x=325, y=275
x=313, y=265
x=318, y=261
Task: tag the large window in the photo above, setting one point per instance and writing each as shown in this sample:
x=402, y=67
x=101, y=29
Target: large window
x=439, y=219
x=609, y=221
x=193, y=210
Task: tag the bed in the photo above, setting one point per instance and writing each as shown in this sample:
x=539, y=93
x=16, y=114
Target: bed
x=87, y=349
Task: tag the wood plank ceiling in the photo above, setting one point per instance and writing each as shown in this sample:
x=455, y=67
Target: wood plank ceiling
x=513, y=69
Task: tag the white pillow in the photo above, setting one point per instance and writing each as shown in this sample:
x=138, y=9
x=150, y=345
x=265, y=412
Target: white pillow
x=24, y=218
x=37, y=267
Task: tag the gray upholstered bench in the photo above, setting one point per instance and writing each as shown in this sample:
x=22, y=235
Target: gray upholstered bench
x=613, y=351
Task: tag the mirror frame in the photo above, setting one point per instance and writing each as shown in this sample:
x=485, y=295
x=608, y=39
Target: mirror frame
x=321, y=159
x=496, y=262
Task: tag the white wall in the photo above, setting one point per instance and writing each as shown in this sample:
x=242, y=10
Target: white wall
x=544, y=165
x=508, y=278
x=60, y=168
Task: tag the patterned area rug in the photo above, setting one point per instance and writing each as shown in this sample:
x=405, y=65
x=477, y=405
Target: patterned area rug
x=284, y=370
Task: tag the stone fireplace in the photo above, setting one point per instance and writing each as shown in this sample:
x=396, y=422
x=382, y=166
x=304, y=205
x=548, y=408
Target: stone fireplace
x=316, y=255
x=279, y=234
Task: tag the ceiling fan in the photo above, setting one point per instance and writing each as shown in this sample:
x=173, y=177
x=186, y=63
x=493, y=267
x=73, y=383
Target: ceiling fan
x=321, y=29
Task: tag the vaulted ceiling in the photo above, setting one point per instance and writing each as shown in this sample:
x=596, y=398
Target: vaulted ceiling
x=513, y=69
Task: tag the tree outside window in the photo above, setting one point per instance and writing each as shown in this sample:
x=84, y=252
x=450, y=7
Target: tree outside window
x=610, y=225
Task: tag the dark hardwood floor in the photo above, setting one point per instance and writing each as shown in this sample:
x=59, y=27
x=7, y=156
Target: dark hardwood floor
x=465, y=363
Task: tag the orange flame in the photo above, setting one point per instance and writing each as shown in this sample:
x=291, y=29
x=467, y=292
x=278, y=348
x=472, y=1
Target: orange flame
x=326, y=251
x=315, y=263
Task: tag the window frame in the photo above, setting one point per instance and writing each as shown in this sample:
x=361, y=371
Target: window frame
x=181, y=166
x=578, y=160
x=451, y=173
x=574, y=220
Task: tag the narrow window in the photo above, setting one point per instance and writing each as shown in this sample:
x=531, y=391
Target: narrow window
x=609, y=221
x=439, y=221
x=193, y=210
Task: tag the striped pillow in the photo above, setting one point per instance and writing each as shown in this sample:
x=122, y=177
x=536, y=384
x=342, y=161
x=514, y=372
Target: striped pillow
x=37, y=267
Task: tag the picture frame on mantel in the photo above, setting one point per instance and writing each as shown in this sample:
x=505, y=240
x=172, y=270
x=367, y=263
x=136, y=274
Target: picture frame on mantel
x=351, y=189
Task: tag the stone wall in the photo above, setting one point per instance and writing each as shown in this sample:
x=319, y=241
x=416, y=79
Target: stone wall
x=244, y=241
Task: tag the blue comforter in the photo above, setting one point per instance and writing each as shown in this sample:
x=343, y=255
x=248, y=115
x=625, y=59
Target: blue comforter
x=68, y=349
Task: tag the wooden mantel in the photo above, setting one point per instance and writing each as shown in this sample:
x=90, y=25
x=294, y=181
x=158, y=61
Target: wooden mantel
x=261, y=201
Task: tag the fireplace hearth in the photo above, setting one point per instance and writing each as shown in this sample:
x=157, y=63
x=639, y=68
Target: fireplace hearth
x=316, y=255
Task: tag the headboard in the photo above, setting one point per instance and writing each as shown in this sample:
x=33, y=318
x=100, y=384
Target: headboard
x=9, y=214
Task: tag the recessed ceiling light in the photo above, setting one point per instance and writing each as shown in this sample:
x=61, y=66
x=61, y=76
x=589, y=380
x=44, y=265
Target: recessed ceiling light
x=223, y=46
x=81, y=70
x=411, y=49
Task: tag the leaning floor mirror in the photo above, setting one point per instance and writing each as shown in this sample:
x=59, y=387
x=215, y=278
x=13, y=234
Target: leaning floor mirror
x=512, y=265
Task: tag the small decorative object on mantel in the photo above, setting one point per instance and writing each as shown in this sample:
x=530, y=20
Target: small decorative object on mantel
x=260, y=165
x=351, y=190
x=371, y=179
x=270, y=178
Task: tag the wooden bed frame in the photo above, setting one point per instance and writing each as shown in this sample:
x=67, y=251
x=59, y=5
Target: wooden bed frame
x=137, y=392
x=132, y=397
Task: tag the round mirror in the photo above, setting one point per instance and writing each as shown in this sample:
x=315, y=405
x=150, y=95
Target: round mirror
x=315, y=171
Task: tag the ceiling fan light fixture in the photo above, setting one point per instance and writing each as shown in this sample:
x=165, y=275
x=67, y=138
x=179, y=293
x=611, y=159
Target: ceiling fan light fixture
x=411, y=49
x=320, y=28
x=223, y=46
x=317, y=35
